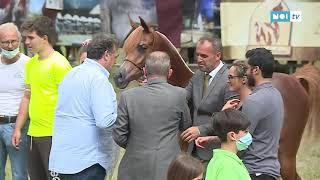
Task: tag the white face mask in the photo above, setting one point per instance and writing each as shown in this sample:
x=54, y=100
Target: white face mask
x=9, y=54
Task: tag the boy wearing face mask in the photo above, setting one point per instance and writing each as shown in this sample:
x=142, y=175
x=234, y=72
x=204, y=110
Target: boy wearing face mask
x=12, y=86
x=231, y=126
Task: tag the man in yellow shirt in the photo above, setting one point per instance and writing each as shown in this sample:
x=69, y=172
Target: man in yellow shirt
x=43, y=73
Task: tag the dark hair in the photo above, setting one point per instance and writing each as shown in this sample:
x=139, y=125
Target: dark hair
x=42, y=26
x=101, y=43
x=215, y=42
x=184, y=167
x=262, y=58
x=240, y=67
x=229, y=120
x=157, y=63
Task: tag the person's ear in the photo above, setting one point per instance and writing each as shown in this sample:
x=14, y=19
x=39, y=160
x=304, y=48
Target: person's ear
x=244, y=80
x=45, y=38
x=256, y=70
x=231, y=136
x=218, y=55
x=144, y=72
x=106, y=55
x=170, y=72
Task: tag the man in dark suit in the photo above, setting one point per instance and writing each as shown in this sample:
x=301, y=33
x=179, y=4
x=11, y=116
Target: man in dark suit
x=207, y=92
x=149, y=120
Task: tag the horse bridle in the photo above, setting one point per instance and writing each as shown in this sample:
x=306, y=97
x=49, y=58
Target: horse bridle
x=140, y=68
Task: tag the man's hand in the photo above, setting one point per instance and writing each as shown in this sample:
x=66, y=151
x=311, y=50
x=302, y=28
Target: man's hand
x=202, y=141
x=142, y=81
x=86, y=42
x=233, y=103
x=16, y=138
x=190, y=134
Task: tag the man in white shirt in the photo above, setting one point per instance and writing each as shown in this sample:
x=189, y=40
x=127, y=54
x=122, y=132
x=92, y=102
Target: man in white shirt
x=12, y=65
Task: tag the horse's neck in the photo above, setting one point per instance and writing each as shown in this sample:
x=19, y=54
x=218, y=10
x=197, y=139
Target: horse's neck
x=163, y=44
x=181, y=72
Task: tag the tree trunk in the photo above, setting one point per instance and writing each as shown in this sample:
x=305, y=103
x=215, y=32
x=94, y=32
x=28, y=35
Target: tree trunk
x=105, y=17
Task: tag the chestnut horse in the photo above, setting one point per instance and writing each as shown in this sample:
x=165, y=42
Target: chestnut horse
x=300, y=91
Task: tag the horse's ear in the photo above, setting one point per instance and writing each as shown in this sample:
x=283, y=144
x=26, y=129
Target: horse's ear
x=144, y=25
x=132, y=23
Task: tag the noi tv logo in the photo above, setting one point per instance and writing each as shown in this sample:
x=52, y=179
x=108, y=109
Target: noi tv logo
x=286, y=16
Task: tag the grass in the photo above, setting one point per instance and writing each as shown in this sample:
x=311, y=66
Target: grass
x=308, y=159
x=307, y=163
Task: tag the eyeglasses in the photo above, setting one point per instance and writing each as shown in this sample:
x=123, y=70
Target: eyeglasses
x=7, y=43
x=232, y=77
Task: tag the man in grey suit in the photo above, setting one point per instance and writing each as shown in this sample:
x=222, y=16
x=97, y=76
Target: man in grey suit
x=148, y=123
x=206, y=97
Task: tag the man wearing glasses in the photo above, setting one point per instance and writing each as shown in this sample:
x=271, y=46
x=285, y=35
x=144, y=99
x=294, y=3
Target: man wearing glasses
x=12, y=87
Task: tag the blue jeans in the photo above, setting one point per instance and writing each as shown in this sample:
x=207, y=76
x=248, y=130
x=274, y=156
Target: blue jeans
x=96, y=172
x=18, y=158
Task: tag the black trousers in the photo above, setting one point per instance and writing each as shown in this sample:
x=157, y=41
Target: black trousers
x=262, y=177
x=39, y=158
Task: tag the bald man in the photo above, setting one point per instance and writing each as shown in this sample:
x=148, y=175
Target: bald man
x=12, y=65
x=149, y=119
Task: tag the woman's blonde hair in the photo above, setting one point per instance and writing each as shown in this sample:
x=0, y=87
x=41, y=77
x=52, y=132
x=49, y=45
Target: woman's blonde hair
x=241, y=68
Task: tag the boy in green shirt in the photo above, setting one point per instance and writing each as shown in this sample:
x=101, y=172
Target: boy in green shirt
x=231, y=126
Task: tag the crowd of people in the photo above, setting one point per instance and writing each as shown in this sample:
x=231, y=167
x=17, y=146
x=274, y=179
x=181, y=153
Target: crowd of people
x=63, y=123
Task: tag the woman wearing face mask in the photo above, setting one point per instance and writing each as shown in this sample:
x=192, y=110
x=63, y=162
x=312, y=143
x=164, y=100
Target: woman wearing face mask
x=231, y=126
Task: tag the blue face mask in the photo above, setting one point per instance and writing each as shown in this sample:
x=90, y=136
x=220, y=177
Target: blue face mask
x=244, y=142
x=9, y=54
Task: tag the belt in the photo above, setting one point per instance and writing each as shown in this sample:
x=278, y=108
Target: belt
x=7, y=119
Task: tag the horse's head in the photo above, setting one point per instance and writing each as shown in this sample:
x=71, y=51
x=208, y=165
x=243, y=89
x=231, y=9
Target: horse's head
x=136, y=47
x=140, y=43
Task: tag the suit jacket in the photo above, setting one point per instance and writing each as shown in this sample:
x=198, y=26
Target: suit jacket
x=147, y=126
x=202, y=108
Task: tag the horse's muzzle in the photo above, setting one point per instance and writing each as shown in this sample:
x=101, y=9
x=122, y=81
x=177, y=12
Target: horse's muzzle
x=120, y=81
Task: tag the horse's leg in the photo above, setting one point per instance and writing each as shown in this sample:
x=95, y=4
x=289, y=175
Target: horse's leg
x=288, y=167
x=295, y=118
x=294, y=122
x=288, y=147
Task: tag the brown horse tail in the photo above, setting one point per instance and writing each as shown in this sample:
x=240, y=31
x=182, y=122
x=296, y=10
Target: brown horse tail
x=309, y=77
